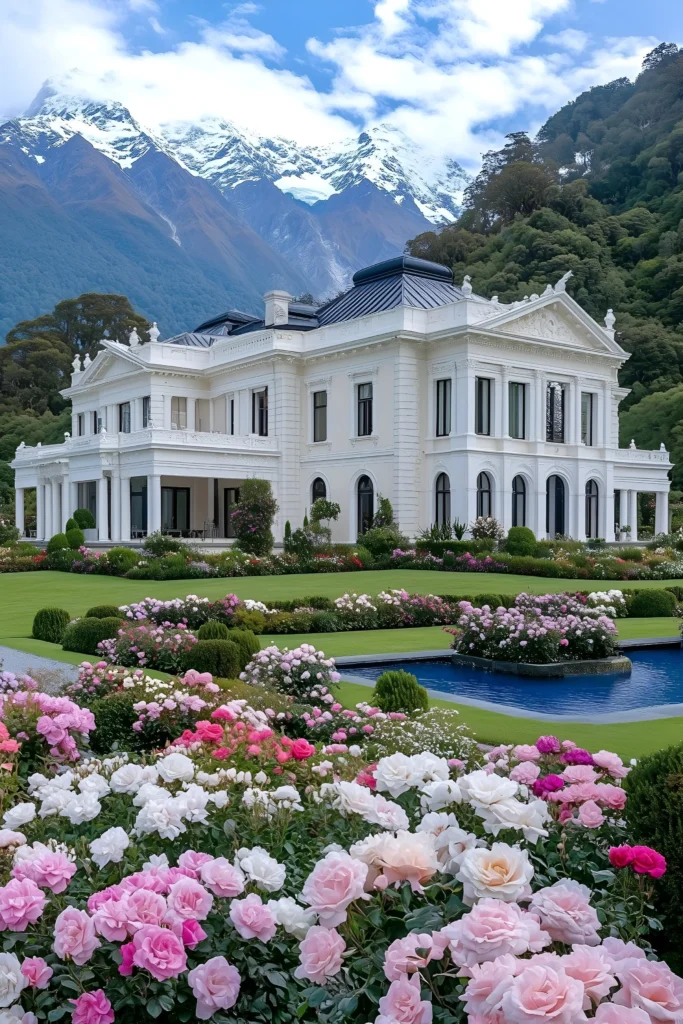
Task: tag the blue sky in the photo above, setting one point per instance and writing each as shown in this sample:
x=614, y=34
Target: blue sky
x=455, y=75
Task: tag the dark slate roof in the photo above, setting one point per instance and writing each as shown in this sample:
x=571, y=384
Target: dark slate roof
x=225, y=323
x=192, y=340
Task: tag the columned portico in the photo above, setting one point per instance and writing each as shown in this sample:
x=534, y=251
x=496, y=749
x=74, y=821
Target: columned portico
x=633, y=514
x=153, y=503
x=19, y=511
x=103, y=508
x=662, y=512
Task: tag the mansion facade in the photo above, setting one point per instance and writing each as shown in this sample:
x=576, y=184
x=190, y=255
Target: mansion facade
x=407, y=385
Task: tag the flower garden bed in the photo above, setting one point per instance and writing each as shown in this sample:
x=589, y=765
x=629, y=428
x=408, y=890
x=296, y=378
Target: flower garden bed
x=616, y=664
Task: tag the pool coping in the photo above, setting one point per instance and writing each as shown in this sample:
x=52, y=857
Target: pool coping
x=651, y=713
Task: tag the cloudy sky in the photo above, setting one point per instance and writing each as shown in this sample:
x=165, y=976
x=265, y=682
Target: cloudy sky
x=454, y=74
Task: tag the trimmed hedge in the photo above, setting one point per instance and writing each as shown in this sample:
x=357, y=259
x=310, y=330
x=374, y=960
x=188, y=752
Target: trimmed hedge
x=219, y=657
x=521, y=541
x=213, y=630
x=399, y=691
x=57, y=542
x=247, y=643
x=71, y=524
x=84, y=635
x=648, y=604
x=103, y=611
x=84, y=518
x=438, y=548
x=123, y=559
x=50, y=624
x=75, y=538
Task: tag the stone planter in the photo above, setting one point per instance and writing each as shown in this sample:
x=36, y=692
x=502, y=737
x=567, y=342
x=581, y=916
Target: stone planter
x=91, y=535
x=557, y=670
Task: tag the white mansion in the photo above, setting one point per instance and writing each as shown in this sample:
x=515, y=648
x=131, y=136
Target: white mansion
x=407, y=385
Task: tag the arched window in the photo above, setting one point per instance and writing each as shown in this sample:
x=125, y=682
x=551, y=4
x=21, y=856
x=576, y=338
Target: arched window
x=318, y=489
x=443, y=499
x=366, y=504
x=518, y=501
x=591, y=509
x=483, y=495
x=554, y=506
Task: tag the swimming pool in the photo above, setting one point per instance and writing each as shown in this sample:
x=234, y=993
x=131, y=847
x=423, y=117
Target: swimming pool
x=657, y=679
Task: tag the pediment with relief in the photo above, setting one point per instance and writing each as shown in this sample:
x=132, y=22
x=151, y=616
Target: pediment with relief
x=547, y=325
x=108, y=368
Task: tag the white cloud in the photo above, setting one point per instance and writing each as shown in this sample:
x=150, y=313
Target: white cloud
x=570, y=39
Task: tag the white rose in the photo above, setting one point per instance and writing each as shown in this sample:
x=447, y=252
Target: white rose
x=451, y=845
x=370, y=850
x=261, y=869
x=81, y=807
x=176, y=768
x=12, y=981
x=54, y=801
x=503, y=872
x=436, y=822
x=36, y=782
x=110, y=846
x=220, y=799
x=62, y=781
x=18, y=815
x=440, y=793
x=10, y=838
x=351, y=798
x=192, y=803
x=126, y=779
x=164, y=818
x=17, y=1015
x=290, y=915
x=388, y=815
x=430, y=766
x=287, y=793
x=481, y=789
x=397, y=774
x=156, y=860
x=149, y=791
x=529, y=818
x=94, y=783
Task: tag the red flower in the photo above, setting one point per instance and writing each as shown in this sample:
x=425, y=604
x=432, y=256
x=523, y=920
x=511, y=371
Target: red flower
x=621, y=856
x=647, y=861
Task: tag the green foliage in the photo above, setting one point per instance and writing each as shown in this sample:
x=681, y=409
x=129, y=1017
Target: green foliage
x=520, y=541
x=655, y=419
x=219, y=657
x=75, y=538
x=324, y=509
x=649, y=604
x=253, y=517
x=492, y=600
x=399, y=691
x=50, y=624
x=103, y=611
x=9, y=534
x=384, y=516
x=254, y=621
x=654, y=811
x=122, y=559
x=85, y=634
x=84, y=519
x=247, y=642
x=57, y=542
x=114, y=717
x=157, y=544
x=71, y=524
x=287, y=539
x=213, y=630
x=382, y=540
x=301, y=544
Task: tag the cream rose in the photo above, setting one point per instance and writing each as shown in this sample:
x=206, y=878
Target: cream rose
x=503, y=872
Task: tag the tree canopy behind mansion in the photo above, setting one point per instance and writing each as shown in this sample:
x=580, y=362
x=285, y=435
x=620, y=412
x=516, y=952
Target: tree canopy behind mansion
x=600, y=192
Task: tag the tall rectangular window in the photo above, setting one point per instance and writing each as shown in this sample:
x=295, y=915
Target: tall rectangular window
x=232, y=416
x=96, y=423
x=587, y=417
x=364, y=410
x=320, y=415
x=554, y=413
x=482, y=405
x=80, y=424
x=146, y=412
x=443, y=407
x=124, y=418
x=178, y=413
x=259, y=412
x=516, y=409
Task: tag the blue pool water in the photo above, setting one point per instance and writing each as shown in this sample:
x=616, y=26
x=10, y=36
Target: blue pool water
x=657, y=678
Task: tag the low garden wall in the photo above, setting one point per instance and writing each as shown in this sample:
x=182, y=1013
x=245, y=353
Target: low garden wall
x=616, y=664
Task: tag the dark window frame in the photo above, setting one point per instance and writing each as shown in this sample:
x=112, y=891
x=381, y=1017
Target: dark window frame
x=482, y=405
x=96, y=422
x=518, y=498
x=259, y=412
x=484, y=495
x=80, y=424
x=588, y=418
x=175, y=493
x=365, y=495
x=318, y=489
x=442, y=495
x=514, y=387
x=555, y=412
x=319, y=416
x=124, y=418
x=559, y=502
x=592, y=509
x=444, y=393
x=364, y=401
x=146, y=411
x=232, y=418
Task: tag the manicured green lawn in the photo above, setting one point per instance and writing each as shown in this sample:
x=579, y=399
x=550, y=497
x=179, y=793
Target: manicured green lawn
x=24, y=593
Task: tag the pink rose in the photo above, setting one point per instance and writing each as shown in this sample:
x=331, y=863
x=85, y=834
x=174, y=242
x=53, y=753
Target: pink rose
x=159, y=951
x=49, y=870
x=526, y=752
x=647, y=861
x=580, y=773
x=566, y=913
x=548, y=744
x=543, y=992
x=620, y=856
x=222, y=877
x=21, y=904
x=215, y=985
x=608, y=1013
x=402, y=1003
x=592, y=966
x=192, y=861
x=611, y=763
x=190, y=932
x=112, y=892
x=402, y=956
x=127, y=957
x=335, y=882
x=36, y=971
x=488, y=983
x=525, y=773
x=302, y=749
x=590, y=815
x=619, y=951
x=92, y=1008
x=145, y=907
x=611, y=796
x=10, y=838
x=578, y=793
x=650, y=986
x=320, y=954
x=188, y=899
x=111, y=920
x=75, y=936
x=493, y=928
x=252, y=918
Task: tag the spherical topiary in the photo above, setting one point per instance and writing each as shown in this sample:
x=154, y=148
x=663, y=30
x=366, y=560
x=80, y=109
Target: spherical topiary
x=520, y=541
x=57, y=543
x=84, y=635
x=248, y=644
x=648, y=604
x=399, y=691
x=103, y=611
x=122, y=559
x=492, y=600
x=71, y=524
x=219, y=657
x=49, y=624
x=213, y=630
x=75, y=538
x=84, y=519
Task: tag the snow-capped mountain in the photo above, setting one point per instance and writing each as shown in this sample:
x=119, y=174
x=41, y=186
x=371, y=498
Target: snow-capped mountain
x=222, y=212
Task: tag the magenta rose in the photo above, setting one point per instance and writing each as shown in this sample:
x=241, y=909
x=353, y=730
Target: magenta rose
x=215, y=985
x=301, y=749
x=159, y=951
x=36, y=971
x=646, y=861
x=620, y=856
x=320, y=955
x=548, y=744
x=75, y=936
x=92, y=1008
x=21, y=904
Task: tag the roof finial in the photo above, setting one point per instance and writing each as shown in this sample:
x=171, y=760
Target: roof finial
x=133, y=339
x=76, y=363
x=86, y=361
x=632, y=444
x=610, y=321
x=154, y=332
x=466, y=286
x=561, y=285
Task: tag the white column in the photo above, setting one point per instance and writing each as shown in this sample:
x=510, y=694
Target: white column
x=73, y=497
x=464, y=398
x=209, y=499
x=191, y=414
x=125, y=508
x=48, y=510
x=606, y=506
x=607, y=416
x=115, y=506
x=112, y=419
x=623, y=508
x=576, y=437
x=102, y=509
x=40, y=511
x=66, y=511
x=538, y=410
x=211, y=418
x=504, y=401
x=579, y=503
x=662, y=512
x=153, y=503
x=538, y=515
x=56, y=507
x=19, y=510
x=633, y=514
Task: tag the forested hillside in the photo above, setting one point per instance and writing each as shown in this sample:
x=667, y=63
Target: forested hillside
x=599, y=192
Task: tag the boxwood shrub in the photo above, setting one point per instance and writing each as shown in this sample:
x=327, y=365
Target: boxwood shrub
x=103, y=611
x=84, y=635
x=213, y=630
x=219, y=657
x=247, y=643
x=57, y=542
x=84, y=519
x=397, y=690
x=50, y=624
x=521, y=541
x=75, y=538
x=122, y=559
x=648, y=604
